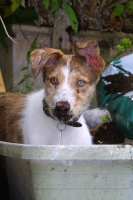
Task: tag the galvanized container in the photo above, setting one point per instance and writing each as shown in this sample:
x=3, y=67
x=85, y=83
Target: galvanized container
x=69, y=172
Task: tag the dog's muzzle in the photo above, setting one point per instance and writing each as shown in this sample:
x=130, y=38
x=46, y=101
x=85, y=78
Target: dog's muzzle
x=62, y=111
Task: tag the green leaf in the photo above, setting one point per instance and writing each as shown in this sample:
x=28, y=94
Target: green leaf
x=22, y=80
x=8, y=3
x=22, y=15
x=72, y=17
x=46, y=3
x=24, y=68
x=28, y=88
x=111, y=58
x=118, y=10
x=26, y=76
x=120, y=47
x=10, y=9
x=56, y=4
x=130, y=5
x=17, y=91
x=33, y=47
x=79, y=1
x=126, y=42
x=3, y=38
x=27, y=15
x=105, y=118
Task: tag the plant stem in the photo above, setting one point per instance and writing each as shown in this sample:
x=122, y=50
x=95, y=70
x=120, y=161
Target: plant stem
x=6, y=31
x=114, y=4
x=114, y=58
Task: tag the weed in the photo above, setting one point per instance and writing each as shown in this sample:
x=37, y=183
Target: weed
x=27, y=75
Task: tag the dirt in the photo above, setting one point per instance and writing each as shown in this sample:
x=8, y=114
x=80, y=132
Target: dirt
x=119, y=83
x=107, y=134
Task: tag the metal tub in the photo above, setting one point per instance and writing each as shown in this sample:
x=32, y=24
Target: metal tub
x=69, y=172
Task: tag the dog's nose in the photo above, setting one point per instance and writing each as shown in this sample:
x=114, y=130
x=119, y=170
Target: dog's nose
x=62, y=107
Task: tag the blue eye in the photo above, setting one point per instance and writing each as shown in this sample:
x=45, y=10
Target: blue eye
x=81, y=82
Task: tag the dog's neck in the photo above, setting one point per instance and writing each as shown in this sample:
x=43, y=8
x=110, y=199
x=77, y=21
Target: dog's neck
x=47, y=112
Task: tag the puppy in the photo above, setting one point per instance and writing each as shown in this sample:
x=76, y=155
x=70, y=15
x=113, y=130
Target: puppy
x=53, y=115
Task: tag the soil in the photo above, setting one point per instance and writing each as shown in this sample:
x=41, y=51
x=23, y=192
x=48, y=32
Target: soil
x=107, y=134
x=119, y=83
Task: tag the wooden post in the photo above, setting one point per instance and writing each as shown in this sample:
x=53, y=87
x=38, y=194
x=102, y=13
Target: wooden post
x=60, y=36
x=2, y=85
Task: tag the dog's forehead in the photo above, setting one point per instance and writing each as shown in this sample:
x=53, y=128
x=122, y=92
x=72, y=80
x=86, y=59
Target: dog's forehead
x=76, y=63
x=73, y=61
x=69, y=65
x=76, y=67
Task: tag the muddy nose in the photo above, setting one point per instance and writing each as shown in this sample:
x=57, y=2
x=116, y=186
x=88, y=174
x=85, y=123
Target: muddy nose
x=62, y=107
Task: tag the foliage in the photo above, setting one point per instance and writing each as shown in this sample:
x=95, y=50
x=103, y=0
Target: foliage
x=13, y=12
x=22, y=15
x=122, y=46
x=72, y=17
x=56, y=4
x=119, y=9
x=27, y=76
x=10, y=8
x=130, y=6
x=105, y=118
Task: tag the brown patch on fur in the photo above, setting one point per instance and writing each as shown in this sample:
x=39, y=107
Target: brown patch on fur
x=79, y=71
x=79, y=64
x=86, y=65
x=11, y=106
x=51, y=71
x=44, y=57
x=91, y=52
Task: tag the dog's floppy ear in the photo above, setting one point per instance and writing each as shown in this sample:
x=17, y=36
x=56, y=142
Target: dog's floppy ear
x=42, y=57
x=90, y=50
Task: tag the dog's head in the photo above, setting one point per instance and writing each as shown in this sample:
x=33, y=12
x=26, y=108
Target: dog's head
x=69, y=80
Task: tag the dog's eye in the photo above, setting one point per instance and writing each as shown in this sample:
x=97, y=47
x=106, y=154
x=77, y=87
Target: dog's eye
x=54, y=80
x=81, y=82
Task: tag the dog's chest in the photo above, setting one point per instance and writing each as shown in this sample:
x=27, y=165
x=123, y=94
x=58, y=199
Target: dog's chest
x=39, y=129
x=50, y=132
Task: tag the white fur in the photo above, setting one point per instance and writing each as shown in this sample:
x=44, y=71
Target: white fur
x=37, y=128
x=65, y=92
x=94, y=116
